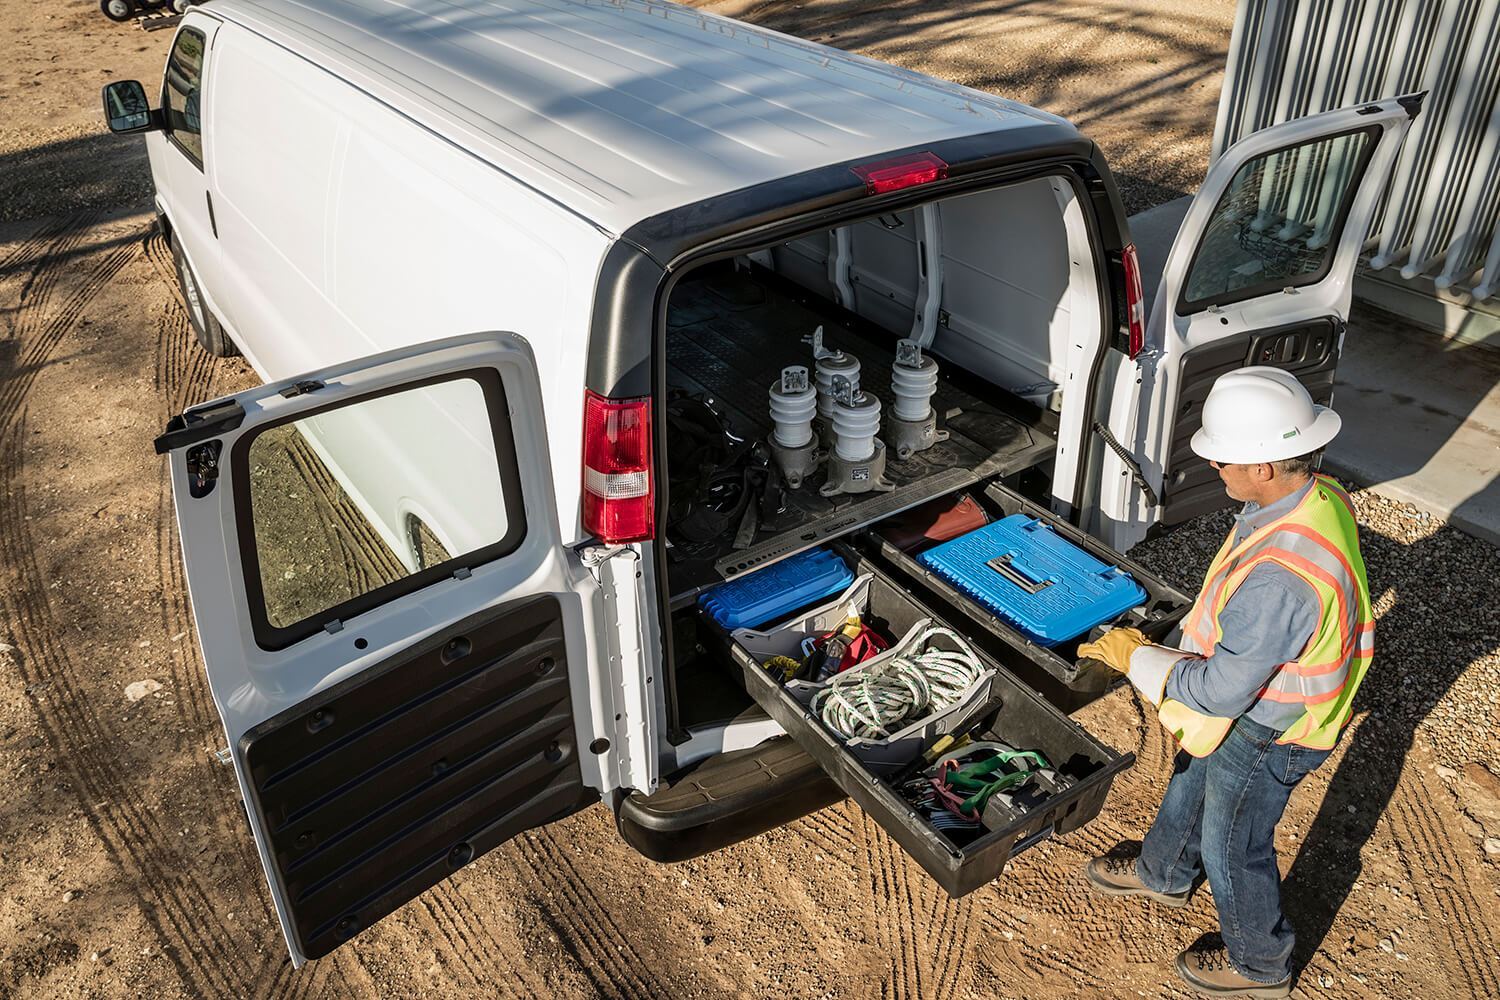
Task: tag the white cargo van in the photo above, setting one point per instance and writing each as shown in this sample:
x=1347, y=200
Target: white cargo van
x=436, y=572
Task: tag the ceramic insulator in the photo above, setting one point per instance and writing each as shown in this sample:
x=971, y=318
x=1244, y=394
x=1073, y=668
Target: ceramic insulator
x=792, y=408
x=855, y=425
x=837, y=363
x=913, y=388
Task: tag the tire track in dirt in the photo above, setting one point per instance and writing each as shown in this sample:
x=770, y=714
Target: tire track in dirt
x=31, y=246
x=181, y=911
x=585, y=927
x=830, y=831
x=37, y=328
x=1443, y=887
x=525, y=984
x=928, y=935
x=454, y=922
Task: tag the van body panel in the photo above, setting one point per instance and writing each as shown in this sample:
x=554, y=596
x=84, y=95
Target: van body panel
x=183, y=186
x=621, y=111
x=375, y=234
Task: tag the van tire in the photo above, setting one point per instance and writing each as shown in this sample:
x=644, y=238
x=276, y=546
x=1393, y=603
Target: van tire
x=206, y=326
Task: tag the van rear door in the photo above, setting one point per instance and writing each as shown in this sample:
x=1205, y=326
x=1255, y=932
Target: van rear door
x=396, y=638
x=1261, y=273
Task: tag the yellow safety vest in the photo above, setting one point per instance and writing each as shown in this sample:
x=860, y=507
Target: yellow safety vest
x=1319, y=541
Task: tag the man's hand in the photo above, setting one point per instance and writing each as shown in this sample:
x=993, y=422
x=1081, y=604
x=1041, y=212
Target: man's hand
x=1114, y=648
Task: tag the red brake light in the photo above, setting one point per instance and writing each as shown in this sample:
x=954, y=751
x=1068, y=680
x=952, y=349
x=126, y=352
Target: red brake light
x=1135, y=301
x=619, y=502
x=901, y=172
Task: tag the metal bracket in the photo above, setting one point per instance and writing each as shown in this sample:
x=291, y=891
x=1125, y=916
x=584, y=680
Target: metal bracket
x=633, y=746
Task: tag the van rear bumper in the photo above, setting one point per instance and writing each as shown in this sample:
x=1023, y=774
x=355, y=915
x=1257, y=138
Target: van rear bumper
x=724, y=799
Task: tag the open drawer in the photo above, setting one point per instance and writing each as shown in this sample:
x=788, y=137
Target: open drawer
x=1081, y=768
x=1055, y=670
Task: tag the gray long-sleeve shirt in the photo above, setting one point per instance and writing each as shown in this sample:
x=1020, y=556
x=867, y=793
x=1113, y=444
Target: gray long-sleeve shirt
x=1267, y=622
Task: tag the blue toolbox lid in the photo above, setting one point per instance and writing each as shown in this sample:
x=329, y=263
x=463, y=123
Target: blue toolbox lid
x=1024, y=572
x=779, y=589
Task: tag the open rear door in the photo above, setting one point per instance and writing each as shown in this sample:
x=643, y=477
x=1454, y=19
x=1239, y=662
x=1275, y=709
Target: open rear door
x=394, y=635
x=1261, y=273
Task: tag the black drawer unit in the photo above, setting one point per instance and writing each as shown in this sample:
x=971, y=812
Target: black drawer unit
x=1014, y=714
x=1055, y=671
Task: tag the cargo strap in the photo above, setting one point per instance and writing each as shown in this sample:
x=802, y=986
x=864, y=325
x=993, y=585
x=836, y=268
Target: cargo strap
x=976, y=778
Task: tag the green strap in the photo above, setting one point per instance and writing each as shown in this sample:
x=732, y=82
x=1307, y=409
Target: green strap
x=973, y=777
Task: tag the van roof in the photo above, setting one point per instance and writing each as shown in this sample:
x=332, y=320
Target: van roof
x=622, y=109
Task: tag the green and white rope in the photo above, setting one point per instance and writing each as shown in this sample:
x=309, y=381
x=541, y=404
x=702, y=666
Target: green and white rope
x=917, y=679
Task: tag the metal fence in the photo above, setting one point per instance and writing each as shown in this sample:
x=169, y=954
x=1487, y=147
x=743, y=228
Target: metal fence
x=1441, y=215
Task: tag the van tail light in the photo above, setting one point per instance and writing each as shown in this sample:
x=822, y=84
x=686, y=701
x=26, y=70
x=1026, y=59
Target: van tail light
x=619, y=500
x=901, y=172
x=1135, y=301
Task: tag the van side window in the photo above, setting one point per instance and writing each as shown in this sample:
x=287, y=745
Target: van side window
x=350, y=507
x=1278, y=223
x=181, y=93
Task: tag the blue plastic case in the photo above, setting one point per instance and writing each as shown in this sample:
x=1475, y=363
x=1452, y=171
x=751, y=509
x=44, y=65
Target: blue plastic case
x=1024, y=572
x=778, y=590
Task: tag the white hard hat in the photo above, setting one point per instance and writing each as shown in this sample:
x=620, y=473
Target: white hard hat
x=1261, y=414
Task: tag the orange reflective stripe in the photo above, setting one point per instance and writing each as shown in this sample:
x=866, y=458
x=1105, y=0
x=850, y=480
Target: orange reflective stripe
x=1298, y=698
x=1346, y=621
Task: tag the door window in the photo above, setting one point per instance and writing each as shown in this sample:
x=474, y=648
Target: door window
x=181, y=95
x=1278, y=223
x=348, y=508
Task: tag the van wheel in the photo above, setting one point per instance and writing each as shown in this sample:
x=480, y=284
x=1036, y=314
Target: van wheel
x=181, y=6
x=211, y=336
x=117, y=10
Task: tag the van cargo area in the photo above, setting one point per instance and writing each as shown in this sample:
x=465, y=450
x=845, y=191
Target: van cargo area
x=1016, y=293
x=852, y=595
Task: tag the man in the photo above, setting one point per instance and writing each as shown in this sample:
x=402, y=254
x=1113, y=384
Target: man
x=1271, y=654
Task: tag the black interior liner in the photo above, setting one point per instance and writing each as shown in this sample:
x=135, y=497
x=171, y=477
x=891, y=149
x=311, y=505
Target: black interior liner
x=731, y=332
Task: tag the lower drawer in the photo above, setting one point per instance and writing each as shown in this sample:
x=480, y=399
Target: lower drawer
x=1012, y=714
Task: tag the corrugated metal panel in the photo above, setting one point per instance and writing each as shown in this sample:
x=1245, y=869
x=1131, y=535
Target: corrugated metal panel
x=1441, y=215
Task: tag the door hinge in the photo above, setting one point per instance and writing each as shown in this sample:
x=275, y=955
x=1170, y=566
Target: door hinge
x=631, y=679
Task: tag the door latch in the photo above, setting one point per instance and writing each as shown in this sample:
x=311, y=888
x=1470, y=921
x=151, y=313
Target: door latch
x=203, y=466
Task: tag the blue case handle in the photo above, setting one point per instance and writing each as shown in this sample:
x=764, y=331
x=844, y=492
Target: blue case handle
x=1014, y=571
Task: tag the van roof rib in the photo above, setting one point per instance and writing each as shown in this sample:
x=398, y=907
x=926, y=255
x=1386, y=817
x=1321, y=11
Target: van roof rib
x=621, y=109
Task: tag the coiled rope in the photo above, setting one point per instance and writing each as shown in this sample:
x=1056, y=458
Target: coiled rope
x=917, y=679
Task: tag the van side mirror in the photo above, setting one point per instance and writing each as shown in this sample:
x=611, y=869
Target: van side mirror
x=126, y=108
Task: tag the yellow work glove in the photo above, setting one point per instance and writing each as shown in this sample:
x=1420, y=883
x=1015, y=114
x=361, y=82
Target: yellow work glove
x=1114, y=647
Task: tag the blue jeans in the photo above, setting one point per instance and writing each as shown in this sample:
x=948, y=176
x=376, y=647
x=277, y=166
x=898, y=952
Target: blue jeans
x=1219, y=818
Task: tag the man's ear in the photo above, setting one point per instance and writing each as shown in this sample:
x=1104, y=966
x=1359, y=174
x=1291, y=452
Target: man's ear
x=1264, y=472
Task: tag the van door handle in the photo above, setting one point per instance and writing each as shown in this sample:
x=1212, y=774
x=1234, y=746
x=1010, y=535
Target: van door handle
x=212, y=222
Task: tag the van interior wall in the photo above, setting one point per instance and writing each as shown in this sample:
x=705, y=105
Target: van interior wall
x=1006, y=283
x=1003, y=320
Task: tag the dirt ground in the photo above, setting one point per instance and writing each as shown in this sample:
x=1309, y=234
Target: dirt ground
x=126, y=868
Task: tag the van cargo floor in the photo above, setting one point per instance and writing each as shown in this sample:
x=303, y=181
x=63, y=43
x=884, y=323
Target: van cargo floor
x=730, y=334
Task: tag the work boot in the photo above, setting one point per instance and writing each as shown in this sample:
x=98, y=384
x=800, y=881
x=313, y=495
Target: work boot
x=1206, y=968
x=1114, y=874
